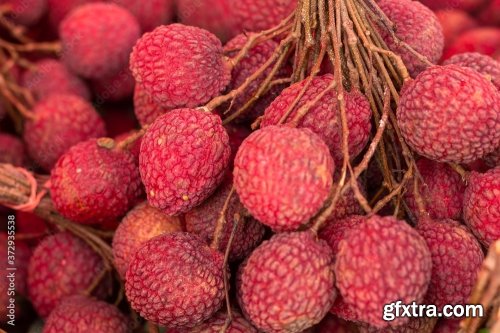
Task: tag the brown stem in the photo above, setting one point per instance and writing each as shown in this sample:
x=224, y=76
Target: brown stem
x=221, y=222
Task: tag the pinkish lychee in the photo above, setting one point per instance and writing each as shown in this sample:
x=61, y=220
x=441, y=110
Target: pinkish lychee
x=150, y=14
x=25, y=12
x=283, y=175
x=145, y=108
x=114, y=88
x=483, y=64
x=454, y=22
x=484, y=40
x=468, y=5
x=59, y=9
x=184, y=157
x=450, y=114
x=11, y=150
x=346, y=205
x=215, y=324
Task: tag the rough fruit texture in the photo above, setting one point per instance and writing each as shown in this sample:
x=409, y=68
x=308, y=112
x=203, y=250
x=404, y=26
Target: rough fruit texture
x=214, y=325
x=11, y=150
x=381, y=261
x=288, y=265
x=468, y=5
x=26, y=12
x=145, y=108
x=61, y=121
x=454, y=23
x=417, y=26
x=283, y=176
x=51, y=77
x=98, y=46
x=93, y=184
x=202, y=220
x=140, y=225
x=484, y=40
x=441, y=188
x=176, y=280
x=180, y=66
x=114, y=88
x=483, y=64
x=62, y=265
x=324, y=117
x=193, y=147
x=86, y=315
x=450, y=114
x=415, y=325
x=347, y=205
x=59, y=9
x=482, y=205
x=149, y=14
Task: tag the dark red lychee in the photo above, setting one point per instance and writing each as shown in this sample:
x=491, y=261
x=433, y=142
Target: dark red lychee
x=214, y=325
x=58, y=9
x=450, y=114
x=203, y=219
x=114, y=88
x=417, y=26
x=415, y=325
x=180, y=66
x=25, y=12
x=283, y=175
x=176, y=280
x=95, y=182
x=61, y=121
x=237, y=134
x=323, y=118
x=346, y=205
x=454, y=22
x=493, y=159
x=11, y=150
x=150, y=14
x=135, y=147
x=482, y=205
x=62, y=265
x=381, y=261
x=484, y=40
x=468, y=5
x=145, y=108
x=441, y=188
x=483, y=64
x=140, y=225
x=86, y=315
x=287, y=284
x=447, y=326
x=333, y=324
x=98, y=46
x=184, y=156
x=30, y=224
x=490, y=15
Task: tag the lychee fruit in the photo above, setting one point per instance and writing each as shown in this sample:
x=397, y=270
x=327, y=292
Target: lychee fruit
x=493, y=159
x=140, y=225
x=98, y=46
x=381, y=261
x=145, y=108
x=415, y=325
x=417, y=26
x=184, y=156
x=11, y=150
x=467, y=5
x=61, y=121
x=94, y=182
x=484, y=40
x=149, y=14
x=237, y=134
x=202, y=220
x=323, y=118
x=32, y=225
x=26, y=12
x=51, y=77
x=180, y=66
x=447, y=326
x=283, y=175
x=490, y=15
x=176, y=280
x=59, y=9
x=454, y=23
x=346, y=205
x=114, y=88
x=450, y=114
x=336, y=231
x=62, y=265
x=287, y=284
x=215, y=324
x=441, y=188
x=333, y=324
x=86, y=315
x=482, y=205
x=483, y=64
x=134, y=148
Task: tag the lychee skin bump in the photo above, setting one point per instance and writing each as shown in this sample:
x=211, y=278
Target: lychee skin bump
x=483, y=64
x=145, y=108
x=450, y=114
x=12, y=150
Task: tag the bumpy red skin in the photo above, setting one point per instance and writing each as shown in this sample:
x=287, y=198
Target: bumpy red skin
x=114, y=88
x=140, y=225
x=145, y=108
x=484, y=40
x=26, y=12
x=415, y=325
x=441, y=188
x=482, y=205
x=450, y=114
x=214, y=325
x=98, y=46
x=447, y=326
x=467, y=5
x=150, y=14
x=11, y=150
x=381, y=261
x=481, y=63
x=86, y=315
x=51, y=77
x=61, y=121
x=62, y=265
x=203, y=219
x=58, y=9
x=347, y=205
x=454, y=23
x=180, y=66
x=184, y=156
x=287, y=265
x=92, y=184
x=283, y=176
x=176, y=280
x=324, y=117
x=417, y=26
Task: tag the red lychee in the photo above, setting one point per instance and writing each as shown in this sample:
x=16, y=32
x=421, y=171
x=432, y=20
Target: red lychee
x=493, y=159
x=11, y=150
x=145, y=108
x=150, y=14
x=214, y=325
x=25, y=12
x=484, y=40
x=336, y=231
x=483, y=64
x=346, y=205
x=323, y=118
x=468, y=5
x=86, y=315
x=287, y=283
x=95, y=182
x=447, y=326
x=176, y=280
x=114, y=88
x=59, y=9
x=134, y=148
x=62, y=265
x=381, y=261
x=283, y=175
x=237, y=134
x=417, y=26
x=51, y=77
x=415, y=325
x=61, y=121
x=184, y=156
x=180, y=66
x=30, y=224
x=332, y=324
x=119, y=119
x=98, y=46
x=140, y=225
x=482, y=205
x=450, y=114
x=454, y=23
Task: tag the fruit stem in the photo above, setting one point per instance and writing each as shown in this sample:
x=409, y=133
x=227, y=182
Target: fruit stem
x=129, y=140
x=221, y=221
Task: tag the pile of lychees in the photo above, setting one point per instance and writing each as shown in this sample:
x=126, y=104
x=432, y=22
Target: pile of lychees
x=244, y=166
